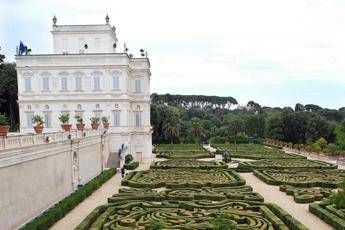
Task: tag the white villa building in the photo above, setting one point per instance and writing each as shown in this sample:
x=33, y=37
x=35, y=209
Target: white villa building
x=87, y=76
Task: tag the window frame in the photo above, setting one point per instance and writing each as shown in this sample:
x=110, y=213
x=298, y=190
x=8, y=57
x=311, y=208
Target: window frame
x=45, y=84
x=78, y=87
x=138, y=86
x=64, y=84
x=96, y=83
x=27, y=88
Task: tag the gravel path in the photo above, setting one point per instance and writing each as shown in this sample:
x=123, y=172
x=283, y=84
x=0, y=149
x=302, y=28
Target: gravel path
x=272, y=194
x=97, y=198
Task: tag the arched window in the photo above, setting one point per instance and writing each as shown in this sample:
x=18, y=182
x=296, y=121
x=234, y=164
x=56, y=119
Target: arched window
x=28, y=107
x=138, y=107
x=97, y=106
x=116, y=106
x=79, y=106
x=46, y=107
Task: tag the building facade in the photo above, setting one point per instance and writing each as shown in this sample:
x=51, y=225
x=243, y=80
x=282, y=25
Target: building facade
x=86, y=76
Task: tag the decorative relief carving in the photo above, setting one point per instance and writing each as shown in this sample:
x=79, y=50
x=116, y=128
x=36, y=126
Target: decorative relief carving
x=45, y=74
x=63, y=73
x=78, y=73
x=116, y=72
x=96, y=73
x=28, y=74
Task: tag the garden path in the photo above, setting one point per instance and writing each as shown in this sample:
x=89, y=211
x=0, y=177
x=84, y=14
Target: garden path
x=272, y=194
x=97, y=198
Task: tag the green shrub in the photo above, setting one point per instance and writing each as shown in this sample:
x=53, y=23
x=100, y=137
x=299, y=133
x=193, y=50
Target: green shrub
x=52, y=215
x=131, y=166
x=155, y=225
x=128, y=158
x=339, y=199
x=223, y=221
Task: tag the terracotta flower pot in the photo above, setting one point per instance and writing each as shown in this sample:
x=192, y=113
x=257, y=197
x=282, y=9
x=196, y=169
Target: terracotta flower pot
x=94, y=126
x=106, y=125
x=80, y=126
x=66, y=127
x=38, y=128
x=4, y=130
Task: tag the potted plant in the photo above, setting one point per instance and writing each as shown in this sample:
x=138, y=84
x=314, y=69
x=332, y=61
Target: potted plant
x=4, y=127
x=38, y=121
x=105, y=121
x=64, y=118
x=80, y=124
x=94, y=122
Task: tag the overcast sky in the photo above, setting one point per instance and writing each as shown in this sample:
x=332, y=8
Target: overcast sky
x=275, y=52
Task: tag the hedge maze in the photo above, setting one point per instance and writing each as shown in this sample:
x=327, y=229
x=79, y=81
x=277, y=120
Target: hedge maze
x=256, y=152
x=327, y=178
x=182, y=178
x=306, y=195
x=188, y=164
x=284, y=164
x=195, y=195
x=306, y=180
x=329, y=213
x=187, y=209
x=183, y=151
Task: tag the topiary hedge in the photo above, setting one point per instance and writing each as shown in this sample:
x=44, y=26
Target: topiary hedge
x=182, y=178
x=328, y=213
x=307, y=178
x=59, y=210
x=306, y=195
x=175, y=209
x=188, y=164
x=131, y=166
x=128, y=158
x=284, y=164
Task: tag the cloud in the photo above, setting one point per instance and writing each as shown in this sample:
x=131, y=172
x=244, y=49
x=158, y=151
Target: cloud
x=218, y=47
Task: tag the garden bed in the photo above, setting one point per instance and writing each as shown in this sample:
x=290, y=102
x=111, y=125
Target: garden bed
x=327, y=178
x=284, y=164
x=329, y=213
x=256, y=152
x=128, y=210
x=182, y=178
x=306, y=195
x=188, y=164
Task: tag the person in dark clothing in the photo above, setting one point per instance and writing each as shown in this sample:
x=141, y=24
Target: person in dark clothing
x=123, y=171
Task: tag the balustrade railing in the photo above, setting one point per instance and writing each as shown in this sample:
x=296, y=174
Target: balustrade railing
x=23, y=140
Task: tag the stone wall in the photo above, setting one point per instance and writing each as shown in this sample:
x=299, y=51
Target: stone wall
x=34, y=178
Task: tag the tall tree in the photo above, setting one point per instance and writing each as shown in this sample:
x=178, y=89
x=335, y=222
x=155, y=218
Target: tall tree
x=340, y=135
x=9, y=91
x=197, y=128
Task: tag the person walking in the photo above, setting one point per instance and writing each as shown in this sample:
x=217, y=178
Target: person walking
x=123, y=171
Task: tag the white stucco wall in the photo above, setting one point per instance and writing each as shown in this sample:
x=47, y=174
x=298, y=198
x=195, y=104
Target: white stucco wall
x=34, y=178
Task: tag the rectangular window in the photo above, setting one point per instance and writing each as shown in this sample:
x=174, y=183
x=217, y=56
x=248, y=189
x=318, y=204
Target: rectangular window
x=116, y=83
x=45, y=84
x=117, y=118
x=96, y=83
x=47, y=120
x=138, y=86
x=29, y=119
x=64, y=83
x=78, y=85
x=27, y=84
x=137, y=119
